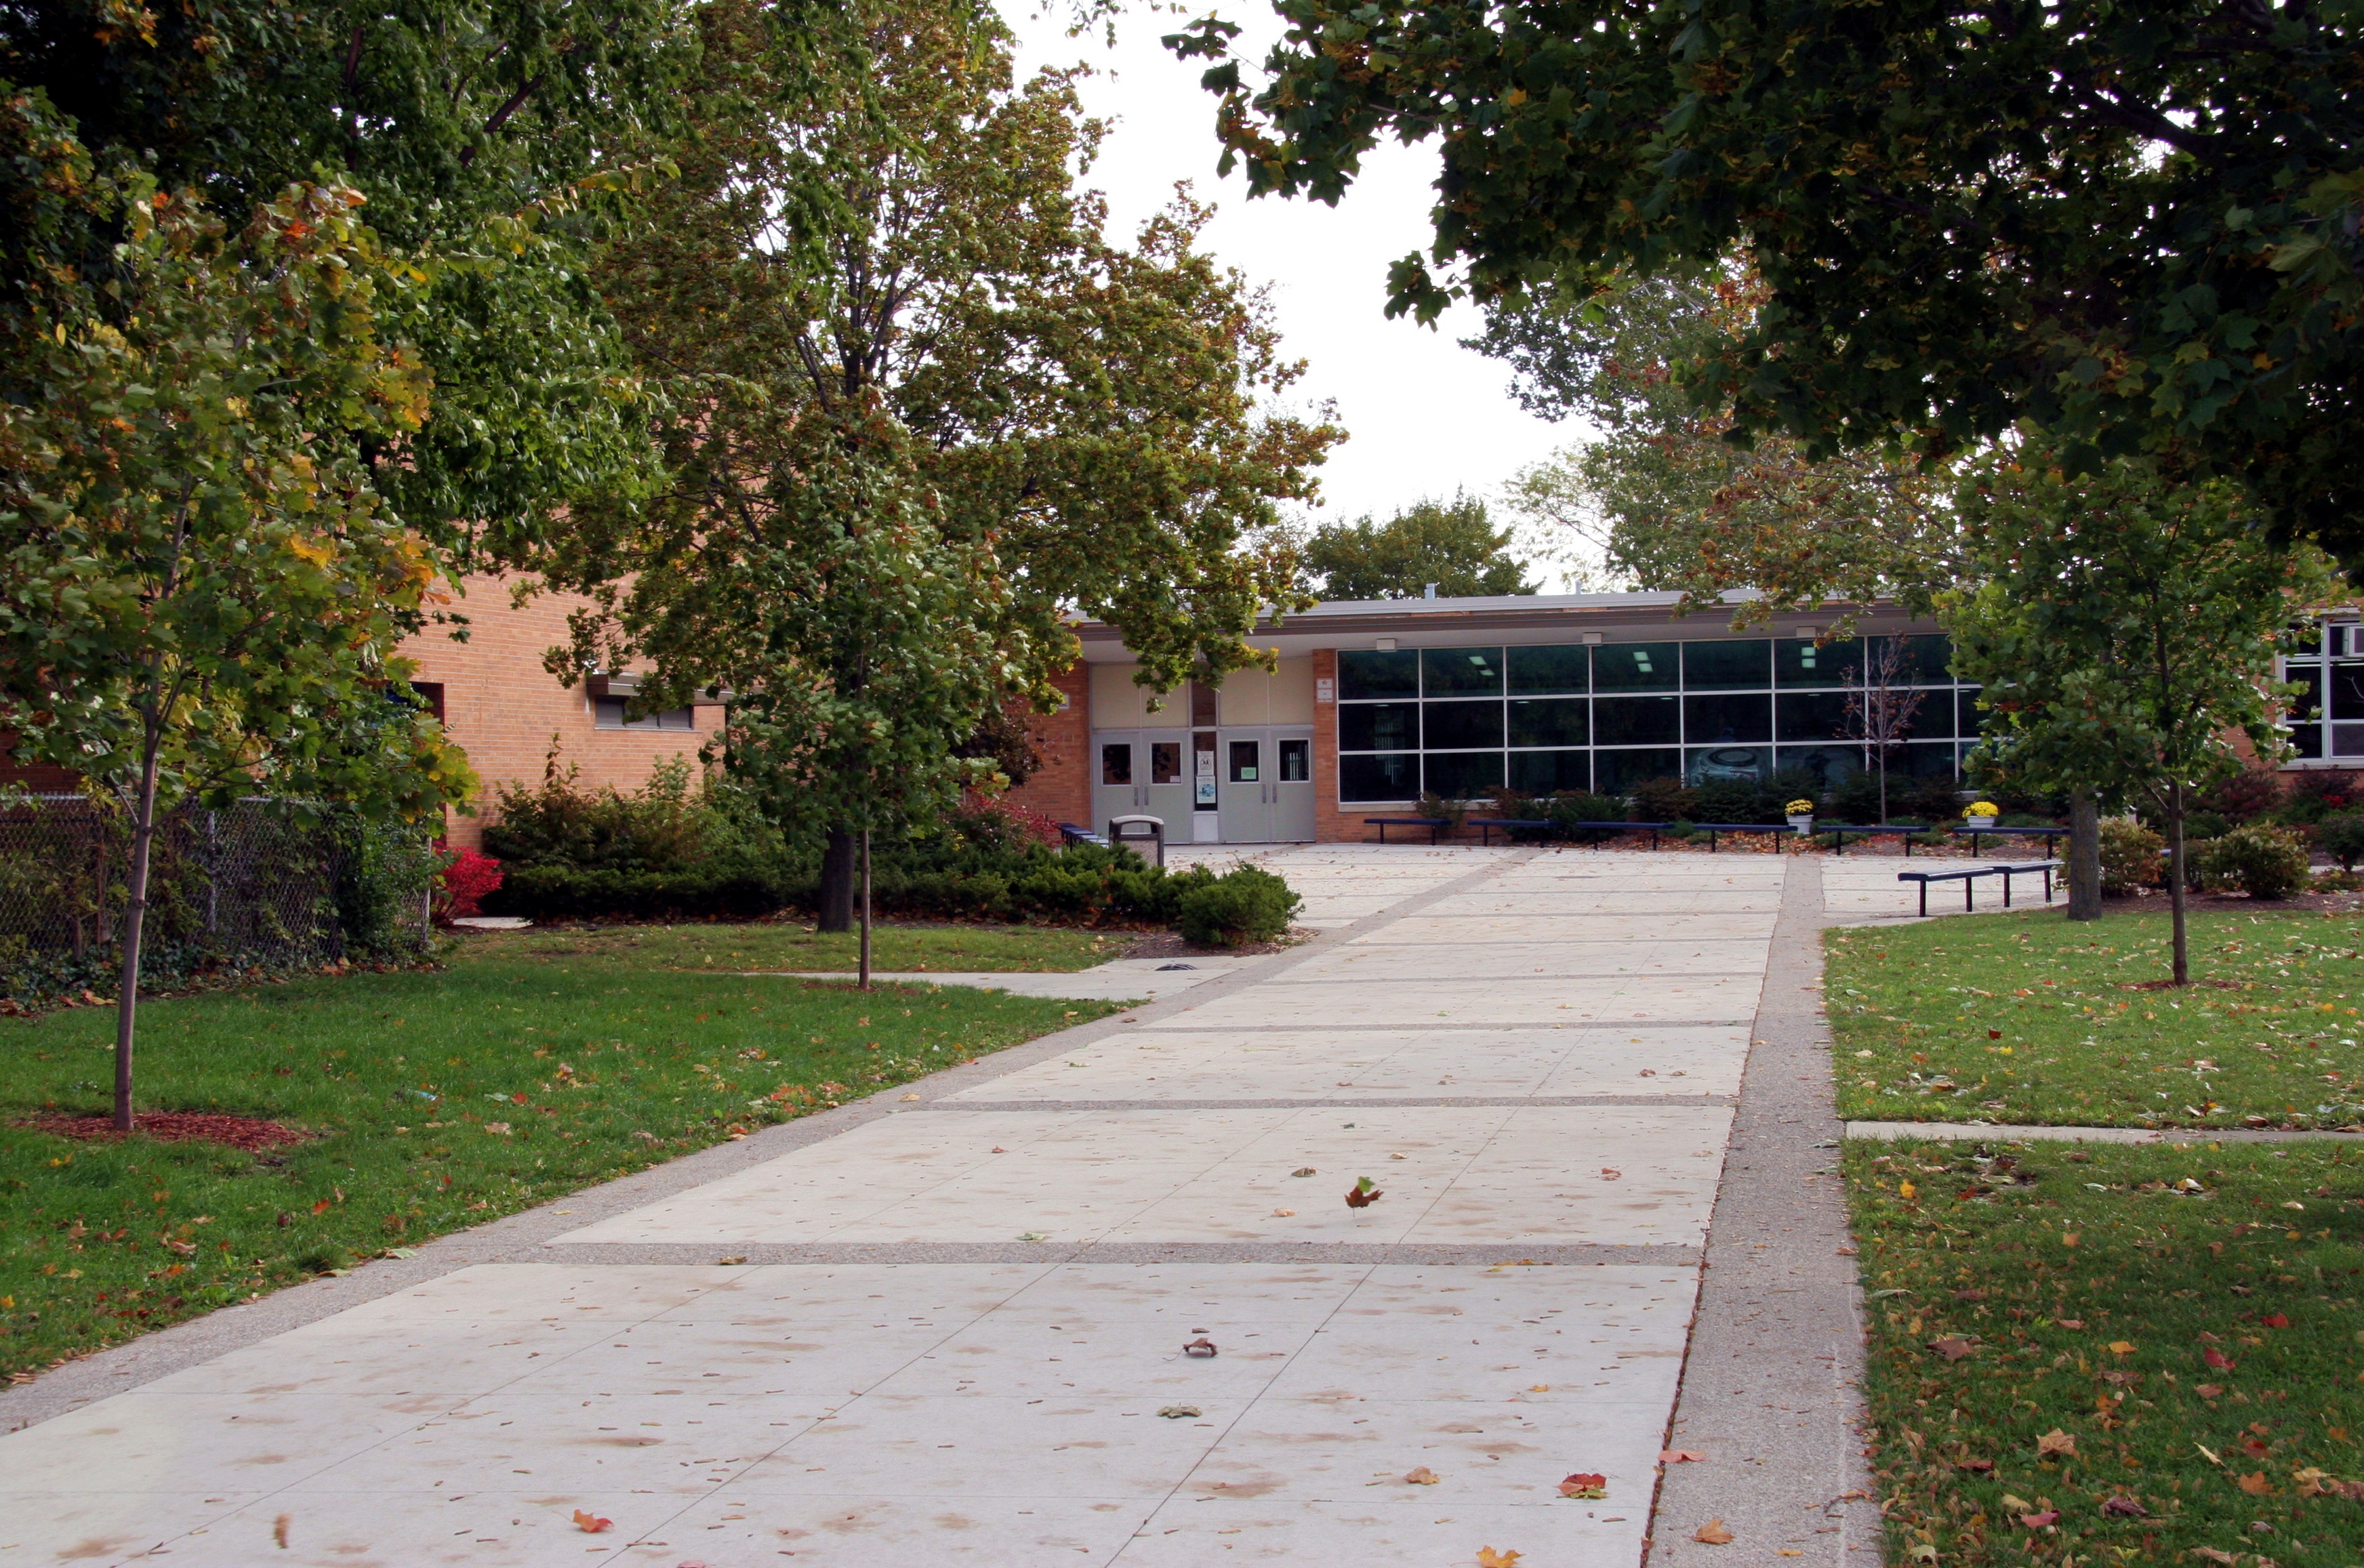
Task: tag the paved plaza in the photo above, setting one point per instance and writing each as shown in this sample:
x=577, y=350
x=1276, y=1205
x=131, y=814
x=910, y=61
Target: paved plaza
x=951, y=1326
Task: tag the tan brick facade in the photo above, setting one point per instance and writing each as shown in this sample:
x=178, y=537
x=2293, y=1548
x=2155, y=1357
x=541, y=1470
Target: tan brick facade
x=504, y=708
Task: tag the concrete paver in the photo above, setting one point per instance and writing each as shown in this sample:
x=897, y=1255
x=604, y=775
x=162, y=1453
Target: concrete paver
x=965, y=1316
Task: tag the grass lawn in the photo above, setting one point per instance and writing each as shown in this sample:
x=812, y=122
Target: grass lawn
x=2025, y=1017
x=2073, y=1360
x=786, y=945
x=528, y=1068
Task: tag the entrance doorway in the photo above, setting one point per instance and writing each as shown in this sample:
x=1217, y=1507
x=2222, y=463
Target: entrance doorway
x=1266, y=784
x=1142, y=772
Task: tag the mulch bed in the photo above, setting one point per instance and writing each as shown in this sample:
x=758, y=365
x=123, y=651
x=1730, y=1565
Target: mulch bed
x=1173, y=944
x=177, y=1127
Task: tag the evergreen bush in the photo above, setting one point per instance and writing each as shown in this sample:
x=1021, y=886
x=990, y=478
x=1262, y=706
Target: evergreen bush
x=2341, y=834
x=2261, y=860
x=1245, y=905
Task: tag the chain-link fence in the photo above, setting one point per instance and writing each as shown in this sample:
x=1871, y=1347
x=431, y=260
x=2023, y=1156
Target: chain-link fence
x=255, y=885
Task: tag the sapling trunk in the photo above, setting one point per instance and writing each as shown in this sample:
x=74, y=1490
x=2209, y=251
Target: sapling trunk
x=865, y=910
x=2183, y=975
x=2084, y=856
x=126, y=1001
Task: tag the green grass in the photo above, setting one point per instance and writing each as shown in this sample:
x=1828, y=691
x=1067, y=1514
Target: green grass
x=2025, y=1017
x=791, y=946
x=2086, y=1291
x=443, y=1100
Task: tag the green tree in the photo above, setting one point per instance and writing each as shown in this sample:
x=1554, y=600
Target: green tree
x=200, y=593
x=1452, y=544
x=1088, y=416
x=2135, y=225
x=2124, y=628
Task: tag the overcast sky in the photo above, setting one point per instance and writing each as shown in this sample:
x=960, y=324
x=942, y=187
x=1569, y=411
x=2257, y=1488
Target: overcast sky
x=1426, y=417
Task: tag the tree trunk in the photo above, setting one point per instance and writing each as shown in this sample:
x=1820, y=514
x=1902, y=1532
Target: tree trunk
x=2183, y=975
x=865, y=910
x=837, y=878
x=126, y=1002
x=2084, y=856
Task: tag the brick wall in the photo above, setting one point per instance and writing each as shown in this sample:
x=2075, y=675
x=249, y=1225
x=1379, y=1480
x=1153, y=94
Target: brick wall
x=1330, y=825
x=504, y=708
x=1062, y=787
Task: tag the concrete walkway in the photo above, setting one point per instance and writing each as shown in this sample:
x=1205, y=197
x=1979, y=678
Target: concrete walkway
x=953, y=1327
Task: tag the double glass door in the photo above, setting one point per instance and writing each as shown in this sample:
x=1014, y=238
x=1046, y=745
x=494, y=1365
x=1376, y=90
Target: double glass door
x=1143, y=771
x=1266, y=785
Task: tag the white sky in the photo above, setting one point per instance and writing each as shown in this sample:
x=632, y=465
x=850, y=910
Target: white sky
x=1424, y=415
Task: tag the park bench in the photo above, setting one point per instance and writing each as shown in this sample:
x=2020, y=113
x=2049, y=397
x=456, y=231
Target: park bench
x=1435, y=825
x=1076, y=833
x=1969, y=876
x=1713, y=828
x=1840, y=833
x=2051, y=836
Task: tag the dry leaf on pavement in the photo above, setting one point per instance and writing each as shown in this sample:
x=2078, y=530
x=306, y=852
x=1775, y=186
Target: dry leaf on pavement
x=1584, y=1486
x=1489, y=1558
x=590, y=1523
x=1712, y=1533
x=1363, y=1193
x=1422, y=1476
x=1201, y=1346
x=1679, y=1456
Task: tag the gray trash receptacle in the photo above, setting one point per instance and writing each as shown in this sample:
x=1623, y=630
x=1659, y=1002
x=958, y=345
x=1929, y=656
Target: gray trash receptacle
x=1145, y=829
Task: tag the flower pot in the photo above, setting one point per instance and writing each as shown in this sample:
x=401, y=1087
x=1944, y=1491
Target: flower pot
x=1802, y=824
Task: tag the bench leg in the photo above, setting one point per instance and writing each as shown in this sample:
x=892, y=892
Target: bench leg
x=1969, y=882
x=1925, y=900
x=2048, y=880
x=2006, y=890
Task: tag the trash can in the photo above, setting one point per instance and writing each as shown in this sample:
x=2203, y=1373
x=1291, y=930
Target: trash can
x=1138, y=831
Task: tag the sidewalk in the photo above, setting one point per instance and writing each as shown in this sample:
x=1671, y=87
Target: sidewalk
x=953, y=1328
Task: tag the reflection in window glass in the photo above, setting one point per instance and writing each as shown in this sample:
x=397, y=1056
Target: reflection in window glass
x=1616, y=772
x=1967, y=720
x=1930, y=659
x=1245, y=755
x=2305, y=711
x=1116, y=764
x=1810, y=716
x=1296, y=762
x=1461, y=671
x=1728, y=765
x=2347, y=691
x=1377, y=726
x=1462, y=775
x=1551, y=772
x=1565, y=722
x=1365, y=674
x=1741, y=717
x=1826, y=765
x=1925, y=760
x=1707, y=665
x=1636, y=667
x=1392, y=776
x=1636, y=721
x=1165, y=761
x=1457, y=726
x=1801, y=663
x=1547, y=672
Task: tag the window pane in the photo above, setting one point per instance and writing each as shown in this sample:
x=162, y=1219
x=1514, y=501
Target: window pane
x=1454, y=726
x=1707, y=665
x=1826, y=765
x=1800, y=663
x=2347, y=691
x=1551, y=772
x=1377, y=726
x=1296, y=762
x=1968, y=722
x=1462, y=776
x=1930, y=659
x=1636, y=721
x=1816, y=715
x=1636, y=667
x=2348, y=740
x=1245, y=757
x=1616, y=772
x=1395, y=776
x=1164, y=762
x=1363, y=674
x=1457, y=672
x=1541, y=672
x=1566, y=722
x=1116, y=764
x=1722, y=721
x=1726, y=764
x=1922, y=761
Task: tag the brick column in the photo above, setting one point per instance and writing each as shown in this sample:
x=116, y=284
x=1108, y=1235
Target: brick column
x=1330, y=825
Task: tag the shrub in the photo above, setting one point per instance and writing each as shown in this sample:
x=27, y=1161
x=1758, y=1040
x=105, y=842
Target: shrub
x=2129, y=856
x=2317, y=792
x=2205, y=825
x=1725, y=800
x=2246, y=795
x=2341, y=834
x=2261, y=860
x=658, y=826
x=1664, y=800
x=465, y=884
x=1510, y=804
x=1245, y=905
x=1433, y=804
x=1569, y=809
x=1856, y=798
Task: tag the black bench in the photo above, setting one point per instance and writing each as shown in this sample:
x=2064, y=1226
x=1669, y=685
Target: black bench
x=1486, y=826
x=1969, y=876
x=1840, y=832
x=2051, y=836
x=1435, y=825
x=1652, y=829
x=1075, y=833
x=1713, y=828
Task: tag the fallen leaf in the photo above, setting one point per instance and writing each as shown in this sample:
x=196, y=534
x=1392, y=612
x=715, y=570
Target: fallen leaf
x=2123, y=1507
x=1907, y=1191
x=590, y=1523
x=2068, y=1237
x=279, y=1531
x=2216, y=1554
x=2056, y=1441
x=1607, y=1175
x=321, y=1207
x=2208, y=1390
x=2038, y=1522
x=725, y=1262
x=1304, y=1171
x=997, y=1148
x=2211, y=1356
x=1362, y=1195
x=1178, y=1412
x=1712, y=1533
x=1979, y=1467
x=2256, y=1485
x=2071, y=1322
x=2277, y=1322
x=1201, y=1346
x=2120, y=1348
x=1489, y=1558
x=2016, y=1505
x=1397, y=1156
x=1539, y=1388
x=1680, y=1456
x=911, y=1096
x=1284, y=1213
x=1995, y=1034
x=1422, y=1476
x=1952, y=1348
x=1585, y=1486
x=2208, y=1453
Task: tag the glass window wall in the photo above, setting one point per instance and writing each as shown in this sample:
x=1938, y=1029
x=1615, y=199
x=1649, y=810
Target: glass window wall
x=1460, y=721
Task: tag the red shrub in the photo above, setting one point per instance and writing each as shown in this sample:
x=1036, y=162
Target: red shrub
x=467, y=880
